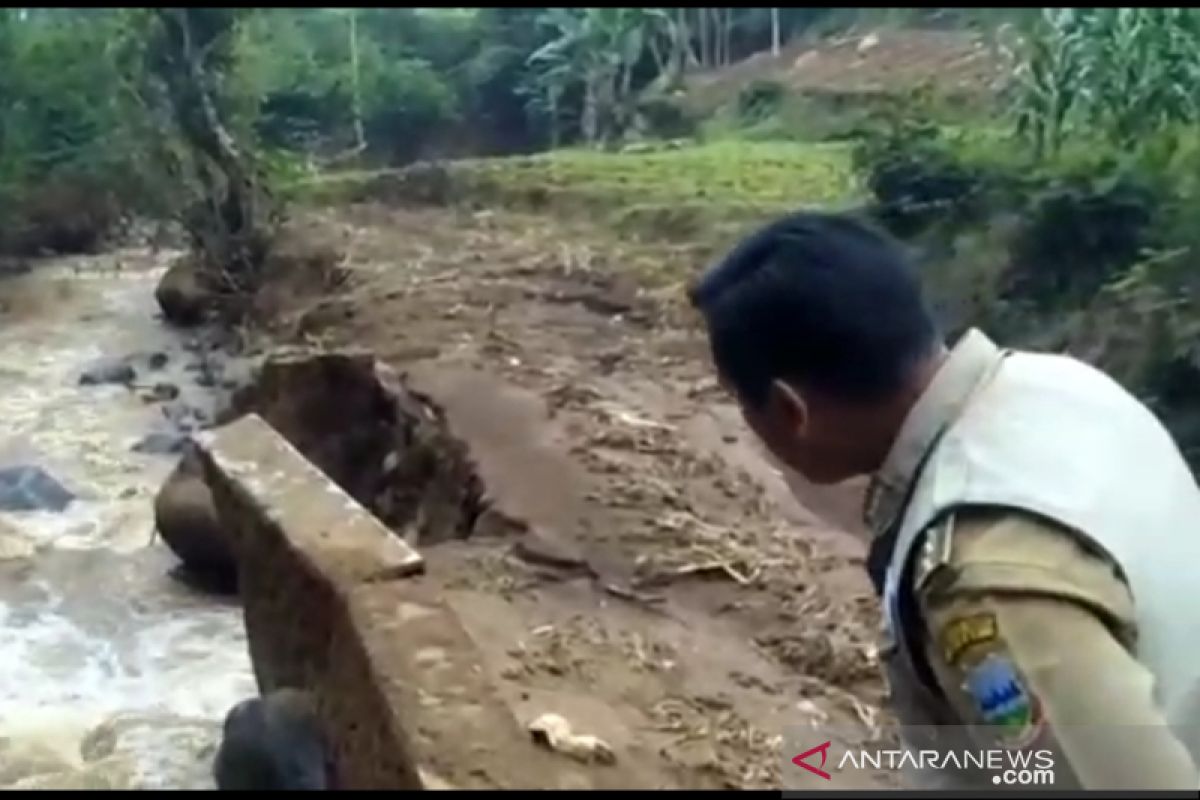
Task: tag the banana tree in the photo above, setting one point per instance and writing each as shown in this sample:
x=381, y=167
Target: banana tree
x=597, y=49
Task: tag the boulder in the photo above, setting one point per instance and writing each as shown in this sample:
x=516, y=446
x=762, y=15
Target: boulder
x=28, y=488
x=274, y=743
x=187, y=521
x=182, y=294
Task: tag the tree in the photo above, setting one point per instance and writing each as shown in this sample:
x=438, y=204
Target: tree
x=234, y=220
x=598, y=49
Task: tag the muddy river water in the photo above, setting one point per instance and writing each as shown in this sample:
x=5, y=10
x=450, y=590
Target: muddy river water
x=112, y=674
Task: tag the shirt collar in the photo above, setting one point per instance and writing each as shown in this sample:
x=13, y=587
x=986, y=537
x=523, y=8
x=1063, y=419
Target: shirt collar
x=965, y=369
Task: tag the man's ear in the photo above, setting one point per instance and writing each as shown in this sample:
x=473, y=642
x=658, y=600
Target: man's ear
x=787, y=405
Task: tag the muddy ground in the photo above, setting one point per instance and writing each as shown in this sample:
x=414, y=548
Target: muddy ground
x=684, y=607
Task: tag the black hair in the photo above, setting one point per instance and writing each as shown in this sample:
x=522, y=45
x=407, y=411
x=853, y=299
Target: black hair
x=820, y=299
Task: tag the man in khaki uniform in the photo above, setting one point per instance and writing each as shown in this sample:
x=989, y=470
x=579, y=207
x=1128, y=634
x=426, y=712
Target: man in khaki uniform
x=1036, y=531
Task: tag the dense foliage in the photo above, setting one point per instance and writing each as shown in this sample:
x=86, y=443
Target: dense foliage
x=1075, y=229
x=85, y=134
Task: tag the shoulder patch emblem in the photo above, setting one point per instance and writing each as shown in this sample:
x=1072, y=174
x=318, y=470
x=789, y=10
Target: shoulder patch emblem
x=962, y=633
x=1004, y=701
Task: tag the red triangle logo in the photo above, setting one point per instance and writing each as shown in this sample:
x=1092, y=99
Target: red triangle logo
x=823, y=749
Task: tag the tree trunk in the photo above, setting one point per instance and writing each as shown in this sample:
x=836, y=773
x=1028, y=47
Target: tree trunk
x=552, y=109
x=360, y=141
x=589, y=120
x=775, y=43
x=661, y=66
x=687, y=51
x=728, y=43
x=235, y=223
x=714, y=25
x=702, y=31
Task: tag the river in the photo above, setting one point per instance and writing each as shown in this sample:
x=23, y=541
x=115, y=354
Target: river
x=112, y=674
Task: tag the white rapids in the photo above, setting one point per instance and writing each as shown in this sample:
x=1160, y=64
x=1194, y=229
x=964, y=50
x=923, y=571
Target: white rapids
x=112, y=675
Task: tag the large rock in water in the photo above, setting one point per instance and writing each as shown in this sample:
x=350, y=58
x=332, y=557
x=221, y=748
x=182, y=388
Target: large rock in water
x=182, y=294
x=187, y=521
x=26, y=488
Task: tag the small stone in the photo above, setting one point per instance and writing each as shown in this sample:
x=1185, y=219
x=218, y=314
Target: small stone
x=165, y=391
x=160, y=444
x=158, y=360
x=108, y=371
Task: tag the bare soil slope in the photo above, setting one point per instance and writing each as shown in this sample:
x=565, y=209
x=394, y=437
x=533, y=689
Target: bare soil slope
x=672, y=597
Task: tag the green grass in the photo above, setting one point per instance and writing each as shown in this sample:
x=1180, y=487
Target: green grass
x=694, y=192
x=734, y=172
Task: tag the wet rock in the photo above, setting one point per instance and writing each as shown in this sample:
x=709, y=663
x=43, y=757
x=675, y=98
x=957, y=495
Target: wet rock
x=25, y=488
x=108, y=370
x=164, y=391
x=182, y=295
x=177, y=413
x=158, y=361
x=161, y=443
x=187, y=521
x=274, y=743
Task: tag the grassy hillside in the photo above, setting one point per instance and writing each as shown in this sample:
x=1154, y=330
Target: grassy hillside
x=698, y=193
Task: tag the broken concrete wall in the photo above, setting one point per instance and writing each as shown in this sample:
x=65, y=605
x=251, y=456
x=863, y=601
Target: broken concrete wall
x=335, y=605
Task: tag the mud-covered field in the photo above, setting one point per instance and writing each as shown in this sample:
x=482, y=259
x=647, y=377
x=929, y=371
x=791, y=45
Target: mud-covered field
x=675, y=599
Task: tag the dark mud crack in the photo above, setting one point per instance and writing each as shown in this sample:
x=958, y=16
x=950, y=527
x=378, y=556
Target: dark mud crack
x=385, y=444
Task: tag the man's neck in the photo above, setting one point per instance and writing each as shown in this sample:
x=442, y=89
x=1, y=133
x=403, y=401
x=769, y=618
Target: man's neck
x=888, y=420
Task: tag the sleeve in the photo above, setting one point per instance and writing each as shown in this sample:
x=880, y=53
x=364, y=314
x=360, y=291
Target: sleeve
x=1031, y=635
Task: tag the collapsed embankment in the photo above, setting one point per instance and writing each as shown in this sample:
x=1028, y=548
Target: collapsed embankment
x=633, y=565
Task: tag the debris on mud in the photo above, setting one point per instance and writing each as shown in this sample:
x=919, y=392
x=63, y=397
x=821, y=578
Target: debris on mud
x=711, y=736
x=554, y=732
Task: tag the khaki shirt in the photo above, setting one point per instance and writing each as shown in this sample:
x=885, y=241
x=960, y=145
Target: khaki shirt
x=1002, y=597
x=1013, y=589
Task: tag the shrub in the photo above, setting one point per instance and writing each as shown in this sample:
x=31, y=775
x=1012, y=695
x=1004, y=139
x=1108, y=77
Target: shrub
x=760, y=99
x=405, y=104
x=1079, y=235
x=662, y=116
